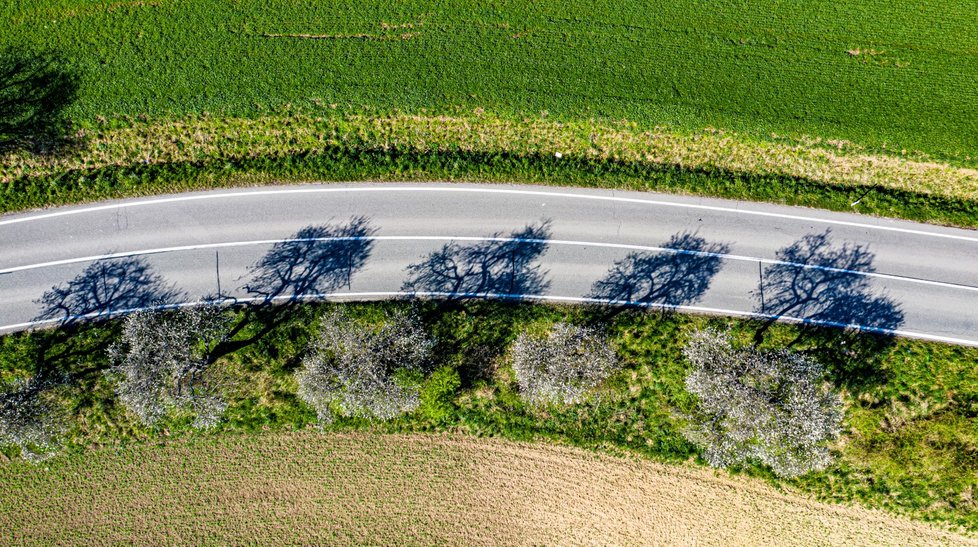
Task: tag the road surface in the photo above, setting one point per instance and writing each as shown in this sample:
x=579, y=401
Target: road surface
x=556, y=244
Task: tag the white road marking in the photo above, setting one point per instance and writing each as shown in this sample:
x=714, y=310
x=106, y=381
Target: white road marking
x=535, y=193
x=497, y=296
x=737, y=258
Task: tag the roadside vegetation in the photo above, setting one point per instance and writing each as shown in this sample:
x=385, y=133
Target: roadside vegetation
x=907, y=441
x=356, y=488
x=133, y=158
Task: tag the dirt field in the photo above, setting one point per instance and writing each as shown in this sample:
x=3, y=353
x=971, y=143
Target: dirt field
x=313, y=488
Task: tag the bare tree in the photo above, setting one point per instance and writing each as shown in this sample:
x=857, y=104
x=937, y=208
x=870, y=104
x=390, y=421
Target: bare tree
x=563, y=366
x=164, y=363
x=771, y=407
x=30, y=418
x=353, y=367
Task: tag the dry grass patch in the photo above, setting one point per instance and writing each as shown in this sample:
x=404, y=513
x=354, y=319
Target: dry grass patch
x=206, y=138
x=310, y=487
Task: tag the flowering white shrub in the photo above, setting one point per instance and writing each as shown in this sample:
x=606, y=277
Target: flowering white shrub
x=352, y=367
x=164, y=363
x=30, y=420
x=772, y=407
x=563, y=366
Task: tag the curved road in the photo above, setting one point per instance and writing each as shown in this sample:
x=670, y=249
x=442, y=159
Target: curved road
x=693, y=254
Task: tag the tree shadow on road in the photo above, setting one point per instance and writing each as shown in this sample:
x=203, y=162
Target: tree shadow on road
x=35, y=90
x=502, y=267
x=846, y=323
x=317, y=260
x=106, y=288
x=676, y=276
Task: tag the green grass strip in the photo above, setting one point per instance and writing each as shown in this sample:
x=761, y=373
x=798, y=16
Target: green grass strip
x=145, y=158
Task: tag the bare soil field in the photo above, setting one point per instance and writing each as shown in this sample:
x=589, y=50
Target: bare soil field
x=310, y=487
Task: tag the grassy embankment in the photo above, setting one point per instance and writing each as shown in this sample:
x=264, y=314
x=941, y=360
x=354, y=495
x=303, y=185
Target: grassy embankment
x=815, y=104
x=910, y=432
x=311, y=488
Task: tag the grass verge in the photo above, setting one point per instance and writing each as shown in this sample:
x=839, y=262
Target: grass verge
x=136, y=158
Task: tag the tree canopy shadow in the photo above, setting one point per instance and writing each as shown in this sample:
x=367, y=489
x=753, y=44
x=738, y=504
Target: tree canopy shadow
x=501, y=266
x=845, y=322
x=35, y=91
x=316, y=260
x=677, y=276
x=105, y=288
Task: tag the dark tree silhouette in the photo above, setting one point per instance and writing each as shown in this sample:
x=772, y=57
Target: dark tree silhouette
x=848, y=325
x=675, y=277
x=821, y=284
x=501, y=266
x=318, y=259
x=35, y=90
x=105, y=288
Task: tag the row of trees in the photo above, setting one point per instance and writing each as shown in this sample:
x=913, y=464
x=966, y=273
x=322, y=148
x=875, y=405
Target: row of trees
x=354, y=368
x=772, y=407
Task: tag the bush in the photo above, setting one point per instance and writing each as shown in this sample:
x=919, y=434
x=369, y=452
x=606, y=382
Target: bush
x=771, y=407
x=358, y=369
x=163, y=363
x=438, y=394
x=30, y=419
x=563, y=366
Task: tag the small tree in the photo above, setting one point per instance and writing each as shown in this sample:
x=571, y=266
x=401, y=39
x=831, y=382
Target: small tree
x=164, y=363
x=30, y=419
x=561, y=367
x=359, y=369
x=772, y=407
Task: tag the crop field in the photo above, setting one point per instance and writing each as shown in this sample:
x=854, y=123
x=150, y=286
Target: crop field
x=892, y=75
x=308, y=487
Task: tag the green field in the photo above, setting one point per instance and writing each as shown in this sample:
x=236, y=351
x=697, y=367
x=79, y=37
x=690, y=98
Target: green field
x=891, y=74
x=909, y=445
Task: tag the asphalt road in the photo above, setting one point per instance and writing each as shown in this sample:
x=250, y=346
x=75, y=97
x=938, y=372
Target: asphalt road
x=693, y=254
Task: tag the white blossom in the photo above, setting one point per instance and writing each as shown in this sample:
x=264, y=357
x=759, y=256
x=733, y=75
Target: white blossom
x=163, y=363
x=30, y=419
x=352, y=367
x=772, y=407
x=563, y=366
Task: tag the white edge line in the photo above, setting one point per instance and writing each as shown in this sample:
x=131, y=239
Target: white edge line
x=498, y=296
x=538, y=193
x=737, y=258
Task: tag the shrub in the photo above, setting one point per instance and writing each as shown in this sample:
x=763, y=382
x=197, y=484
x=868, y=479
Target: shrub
x=30, y=419
x=163, y=363
x=359, y=369
x=438, y=394
x=771, y=407
x=561, y=367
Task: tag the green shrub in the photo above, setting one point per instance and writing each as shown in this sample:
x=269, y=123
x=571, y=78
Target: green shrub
x=438, y=394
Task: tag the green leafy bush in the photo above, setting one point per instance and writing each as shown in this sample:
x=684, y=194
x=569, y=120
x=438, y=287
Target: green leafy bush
x=438, y=394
